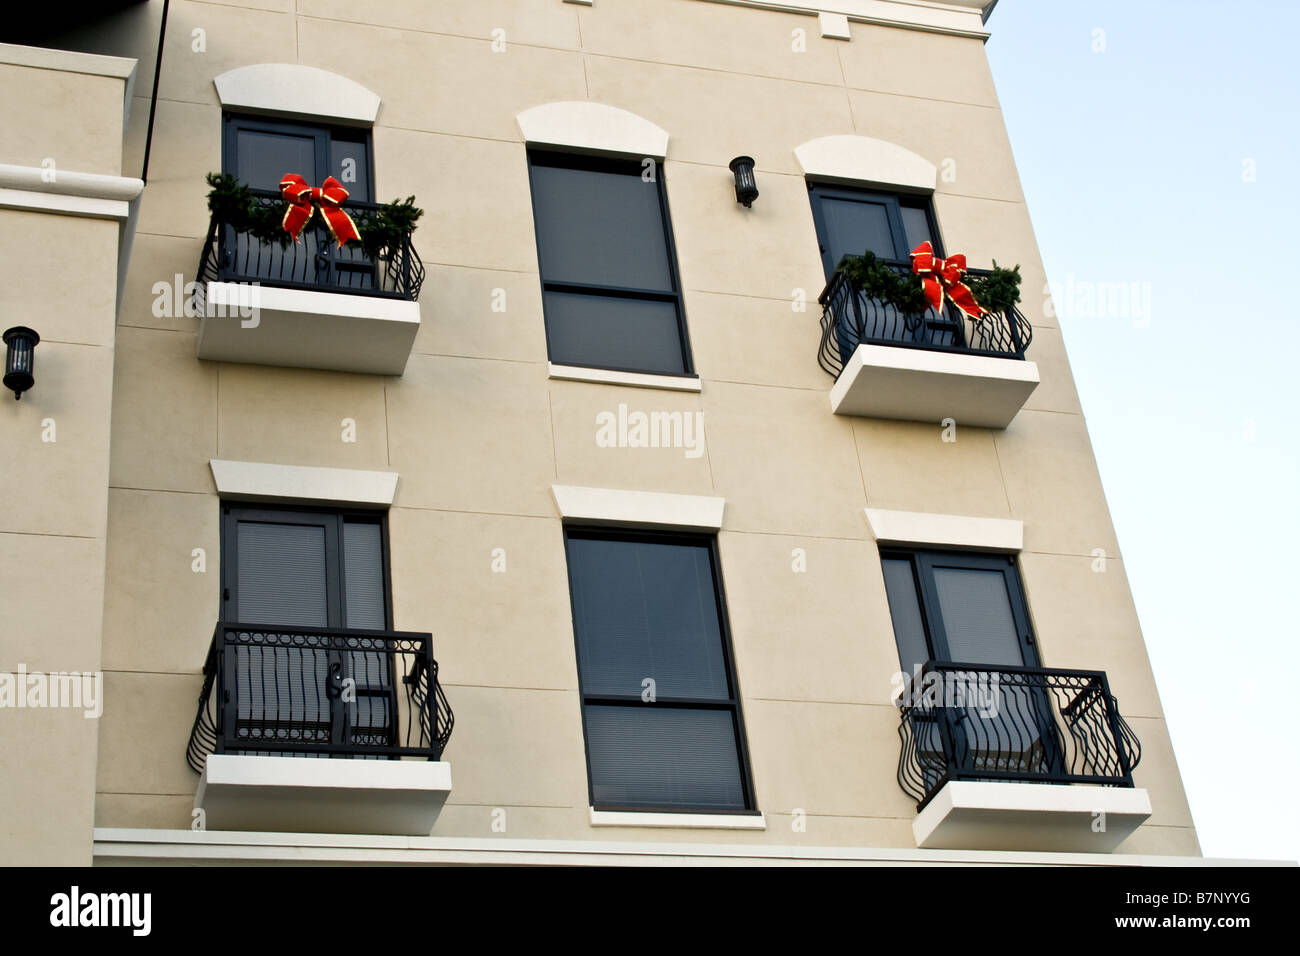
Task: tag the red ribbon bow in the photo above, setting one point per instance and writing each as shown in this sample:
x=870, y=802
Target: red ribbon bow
x=304, y=200
x=942, y=277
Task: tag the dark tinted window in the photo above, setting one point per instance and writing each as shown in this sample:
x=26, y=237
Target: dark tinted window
x=851, y=221
x=661, y=711
x=259, y=152
x=609, y=278
x=957, y=606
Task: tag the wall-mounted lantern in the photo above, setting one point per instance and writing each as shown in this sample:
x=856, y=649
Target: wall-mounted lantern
x=20, y=359
x=746, y=186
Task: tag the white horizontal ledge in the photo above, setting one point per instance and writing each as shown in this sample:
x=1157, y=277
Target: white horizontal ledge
x=953, y=531
x=260, y=481
x=704, y=821
x=997, y=815
x=605, y=376
x=68, y=182
x=634, y=509
x=329, y=795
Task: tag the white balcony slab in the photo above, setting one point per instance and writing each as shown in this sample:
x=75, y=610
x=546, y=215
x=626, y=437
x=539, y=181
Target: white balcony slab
x=331, y=795
x=263, y=325
x=992, y=815
x=920, y=385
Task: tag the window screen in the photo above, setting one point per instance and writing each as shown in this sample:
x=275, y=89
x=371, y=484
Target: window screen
x=660, y=707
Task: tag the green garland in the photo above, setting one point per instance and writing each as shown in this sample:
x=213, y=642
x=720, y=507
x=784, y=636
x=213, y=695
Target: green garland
x=233, y=203
x=997, y=292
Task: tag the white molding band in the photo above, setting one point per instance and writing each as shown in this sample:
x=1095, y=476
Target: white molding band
x=863, y=160
x=124, y=845
x=605, y=376
x=93, y=195
x=704, y=821
x=950, y=531
x=964, y=18
x=592, y=127
x=637, y=509
x=259, y=481
x=287, y=89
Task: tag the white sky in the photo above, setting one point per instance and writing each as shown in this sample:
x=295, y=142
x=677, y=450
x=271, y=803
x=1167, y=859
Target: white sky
x=1136, y=163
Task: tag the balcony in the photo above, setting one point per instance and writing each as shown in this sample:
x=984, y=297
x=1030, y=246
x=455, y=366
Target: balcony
x=307, y=304
x=365, y=704
x=1018, y=758
x=923, y=367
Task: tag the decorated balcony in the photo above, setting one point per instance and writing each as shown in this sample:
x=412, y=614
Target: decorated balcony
x=1018, y=758
x=306, y=278
x=364, y=705
x=918, y=343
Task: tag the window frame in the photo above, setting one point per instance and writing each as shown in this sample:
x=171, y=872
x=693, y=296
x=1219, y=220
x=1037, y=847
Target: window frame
x=626, y=165
x=332, y=519
x=324, y=134
x=732, y=703
x=895, y=201
x=922, y=562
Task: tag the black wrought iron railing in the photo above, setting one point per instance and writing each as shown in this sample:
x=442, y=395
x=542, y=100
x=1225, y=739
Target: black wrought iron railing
x=320, y=692
x=315, y=261
x=850, y=318
x=1030, y=724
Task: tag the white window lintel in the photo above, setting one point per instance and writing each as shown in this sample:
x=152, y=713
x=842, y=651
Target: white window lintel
x=291, y=89
x=261, y=481
x=592, y=127
x=635, y=509
x=950, y=531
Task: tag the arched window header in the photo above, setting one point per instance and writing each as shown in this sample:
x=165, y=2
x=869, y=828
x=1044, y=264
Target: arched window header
x=861, y=160
x=292, y=90
x=592, y=127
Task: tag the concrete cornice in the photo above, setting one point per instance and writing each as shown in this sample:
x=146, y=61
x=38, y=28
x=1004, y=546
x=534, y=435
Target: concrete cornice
x=957, y=17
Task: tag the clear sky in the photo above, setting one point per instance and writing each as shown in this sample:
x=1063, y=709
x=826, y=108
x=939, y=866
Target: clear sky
x=1164, y=150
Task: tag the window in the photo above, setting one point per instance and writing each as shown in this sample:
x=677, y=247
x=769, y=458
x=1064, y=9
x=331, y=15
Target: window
x=955, y=606
x=610, y=290
x=850, y=221
x=969, y=609
x=259, y=152
x=661, y=710
x=321, y=572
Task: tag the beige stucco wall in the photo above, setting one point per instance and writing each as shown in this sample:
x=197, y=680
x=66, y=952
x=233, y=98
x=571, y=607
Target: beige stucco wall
x=60, y=277
x=478, y=433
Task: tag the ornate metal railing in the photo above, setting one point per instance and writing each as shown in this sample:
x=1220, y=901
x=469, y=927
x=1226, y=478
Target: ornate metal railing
x=975, y=722
x=314, y=262
x=318, y=692
x=850, y=318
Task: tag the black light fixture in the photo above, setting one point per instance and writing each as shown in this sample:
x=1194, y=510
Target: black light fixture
x=746, y=186
x=20, y=359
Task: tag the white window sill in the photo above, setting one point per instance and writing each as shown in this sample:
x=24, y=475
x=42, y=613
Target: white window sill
x=708, y=821
x=605, y=376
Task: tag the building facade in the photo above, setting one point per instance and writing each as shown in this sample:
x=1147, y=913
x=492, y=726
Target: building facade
x=595, y=493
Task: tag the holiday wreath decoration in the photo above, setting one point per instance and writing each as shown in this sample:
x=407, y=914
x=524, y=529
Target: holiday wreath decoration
x=234, y=204
x=931, y=281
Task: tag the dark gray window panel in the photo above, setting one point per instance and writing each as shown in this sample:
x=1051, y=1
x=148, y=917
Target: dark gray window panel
x=905, y=609
x=600, y=228
x=363, y=575
x=977, y=616
x=262, y=158
x=614, y=332
x=656, y=757
x=282, y=574
x=647, y=610
x=853, y=227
